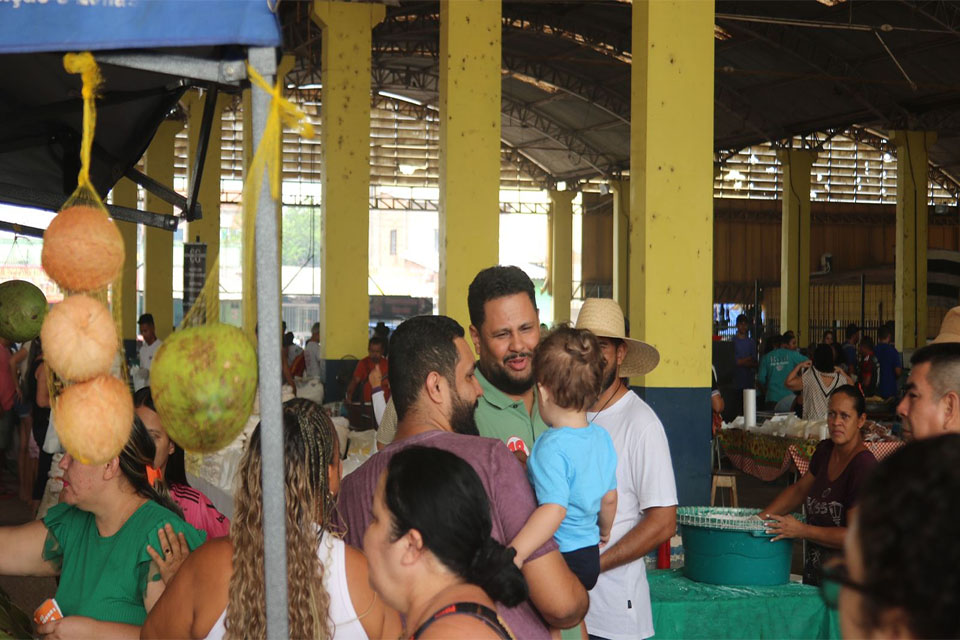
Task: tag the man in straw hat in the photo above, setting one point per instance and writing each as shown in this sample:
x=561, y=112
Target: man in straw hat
x=647, y=502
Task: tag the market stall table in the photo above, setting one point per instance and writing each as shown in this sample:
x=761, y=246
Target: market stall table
x=767, y=456
x=683, y=608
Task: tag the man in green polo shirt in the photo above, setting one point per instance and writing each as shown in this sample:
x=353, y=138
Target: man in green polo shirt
x=505, y=330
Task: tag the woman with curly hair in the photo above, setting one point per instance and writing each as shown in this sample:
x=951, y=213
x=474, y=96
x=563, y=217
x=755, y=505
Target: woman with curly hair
x=899, y=577
x=431, y=553
x=219, y=591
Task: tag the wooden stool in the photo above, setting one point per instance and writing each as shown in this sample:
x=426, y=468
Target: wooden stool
x=724, y=479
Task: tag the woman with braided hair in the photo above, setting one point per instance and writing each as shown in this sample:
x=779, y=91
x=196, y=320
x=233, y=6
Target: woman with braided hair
x=219, y=590
x=430, y=549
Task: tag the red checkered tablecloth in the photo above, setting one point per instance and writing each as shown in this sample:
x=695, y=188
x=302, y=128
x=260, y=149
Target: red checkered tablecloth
x=759, y=455
x=880, y=450
x=768, y=457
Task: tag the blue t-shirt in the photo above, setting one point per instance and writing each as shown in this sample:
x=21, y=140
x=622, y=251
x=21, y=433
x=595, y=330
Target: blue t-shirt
x=889, y=360
x=774, y=369
x=851, y=356
x=574, y=468
x=743, y=348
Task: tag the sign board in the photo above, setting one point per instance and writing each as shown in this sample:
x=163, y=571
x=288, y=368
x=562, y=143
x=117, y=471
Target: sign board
x=194, y=272
x=399, y=307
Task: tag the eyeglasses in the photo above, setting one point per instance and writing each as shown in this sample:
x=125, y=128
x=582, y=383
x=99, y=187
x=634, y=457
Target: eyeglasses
x=832, y=577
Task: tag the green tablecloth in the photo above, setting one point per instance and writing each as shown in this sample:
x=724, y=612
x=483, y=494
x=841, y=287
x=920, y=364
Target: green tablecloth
x=683, y=608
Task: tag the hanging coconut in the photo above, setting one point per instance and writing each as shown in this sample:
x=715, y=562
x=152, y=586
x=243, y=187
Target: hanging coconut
x=82, y=249
x=79, y=338
x=203, y=381
x=22, y=309
x=94, y=418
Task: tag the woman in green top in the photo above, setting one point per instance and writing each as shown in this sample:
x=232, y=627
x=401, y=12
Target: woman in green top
x=107, y=540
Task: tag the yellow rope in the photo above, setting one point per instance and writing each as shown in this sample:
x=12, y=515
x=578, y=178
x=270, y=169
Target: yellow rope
x=268, y=155
x=86, y=66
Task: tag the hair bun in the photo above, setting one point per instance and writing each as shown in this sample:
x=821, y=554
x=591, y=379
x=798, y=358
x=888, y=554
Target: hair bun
x=493, y=570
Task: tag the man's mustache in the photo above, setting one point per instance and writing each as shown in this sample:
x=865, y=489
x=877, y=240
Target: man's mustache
x=514, y=356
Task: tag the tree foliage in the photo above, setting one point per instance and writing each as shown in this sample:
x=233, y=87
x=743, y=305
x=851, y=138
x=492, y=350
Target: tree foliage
x=301, y=236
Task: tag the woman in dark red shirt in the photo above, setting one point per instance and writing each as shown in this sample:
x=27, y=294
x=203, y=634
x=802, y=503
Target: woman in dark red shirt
x=829, y=488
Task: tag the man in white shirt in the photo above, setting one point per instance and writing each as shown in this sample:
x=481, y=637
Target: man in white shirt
x=647, y=492
x=150, y=344
x=313, y=368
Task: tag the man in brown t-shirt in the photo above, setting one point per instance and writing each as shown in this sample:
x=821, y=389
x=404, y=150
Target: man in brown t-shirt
x=435, y=393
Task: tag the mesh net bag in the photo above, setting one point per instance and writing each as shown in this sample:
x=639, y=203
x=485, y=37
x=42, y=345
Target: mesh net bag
x=83, y=252
x=204, y=377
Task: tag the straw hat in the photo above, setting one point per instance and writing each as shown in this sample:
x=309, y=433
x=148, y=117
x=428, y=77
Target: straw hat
x=950, y=328
x=604, y=318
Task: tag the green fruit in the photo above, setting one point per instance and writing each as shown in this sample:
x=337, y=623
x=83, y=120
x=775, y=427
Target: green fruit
x=22, y=310
x=203, y=381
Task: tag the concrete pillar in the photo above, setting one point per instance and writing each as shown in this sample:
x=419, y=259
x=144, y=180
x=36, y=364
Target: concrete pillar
x=158, y=250
x=469, y=147
x=561, y=205
x=125, y=195
x=621, y=241
x=671, y=223
x=795, y=242
x=345, y=144
x=207, y=229
x=910, y=305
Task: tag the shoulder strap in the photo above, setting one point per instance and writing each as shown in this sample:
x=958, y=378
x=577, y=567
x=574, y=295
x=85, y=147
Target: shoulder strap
x=473, y=609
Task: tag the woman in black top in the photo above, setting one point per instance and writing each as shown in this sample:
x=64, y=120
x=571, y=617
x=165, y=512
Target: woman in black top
x=430, y=551
x=829, y=489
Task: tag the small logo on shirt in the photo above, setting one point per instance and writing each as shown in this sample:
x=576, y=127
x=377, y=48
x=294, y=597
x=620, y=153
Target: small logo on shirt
x=516, y=443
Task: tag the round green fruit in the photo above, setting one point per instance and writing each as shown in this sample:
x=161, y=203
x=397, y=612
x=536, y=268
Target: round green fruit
x=204, y=380
x=22, y=310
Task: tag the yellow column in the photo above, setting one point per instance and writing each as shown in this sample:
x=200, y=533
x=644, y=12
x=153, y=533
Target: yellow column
x=158, y=251
x=345, y=144
x=621, y=238
x=469, y=147
x=248, y=273
x=671, y=210
x=671, y=222
x=795, y=242
x=910, y=306
x=562, y=272
x=125, y=195
x=207, y=229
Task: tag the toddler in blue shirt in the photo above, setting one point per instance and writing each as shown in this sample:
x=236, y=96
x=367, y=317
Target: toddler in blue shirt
x=573, y=465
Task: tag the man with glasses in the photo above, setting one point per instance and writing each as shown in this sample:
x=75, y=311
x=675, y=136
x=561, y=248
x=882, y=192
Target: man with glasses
x=931, y=404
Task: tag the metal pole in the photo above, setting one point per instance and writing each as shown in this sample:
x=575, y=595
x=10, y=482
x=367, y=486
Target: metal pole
x=264, y=60
x=863, y=301
x=756, y=324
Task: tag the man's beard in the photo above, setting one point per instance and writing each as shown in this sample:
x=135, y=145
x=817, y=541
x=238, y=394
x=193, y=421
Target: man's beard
x=497, y=376
x=462, y=419
x=609, y=380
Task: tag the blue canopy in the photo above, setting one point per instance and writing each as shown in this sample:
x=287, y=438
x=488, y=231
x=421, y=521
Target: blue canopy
x=150, y=53
x=91, y=25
